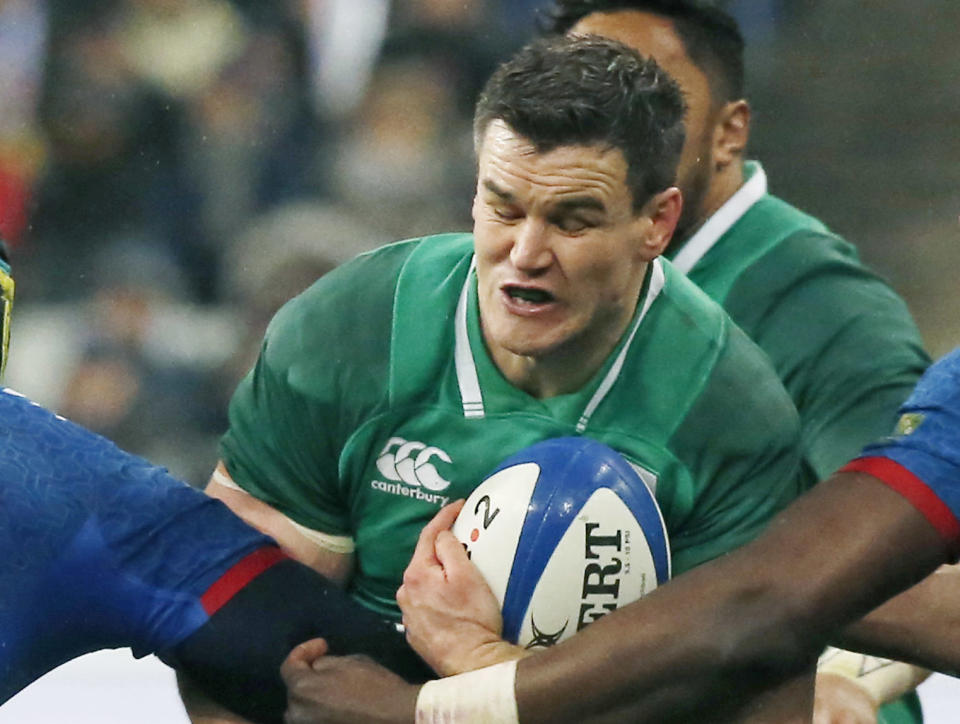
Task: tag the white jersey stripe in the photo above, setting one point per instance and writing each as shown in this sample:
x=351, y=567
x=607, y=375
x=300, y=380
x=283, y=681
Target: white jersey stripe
x=657, y=280
x=718, y=224
x=467, y=379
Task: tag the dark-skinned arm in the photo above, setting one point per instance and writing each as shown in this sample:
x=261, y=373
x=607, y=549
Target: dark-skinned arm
x=921, y=625
x=717, y=636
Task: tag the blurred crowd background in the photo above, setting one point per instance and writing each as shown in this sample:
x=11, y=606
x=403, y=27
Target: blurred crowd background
x=171, y=171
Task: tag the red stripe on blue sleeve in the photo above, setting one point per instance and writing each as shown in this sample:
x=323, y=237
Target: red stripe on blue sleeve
x=238, y=576
x=915, y=490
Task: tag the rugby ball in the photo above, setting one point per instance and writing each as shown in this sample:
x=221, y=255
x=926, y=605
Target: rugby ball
x=564, y=532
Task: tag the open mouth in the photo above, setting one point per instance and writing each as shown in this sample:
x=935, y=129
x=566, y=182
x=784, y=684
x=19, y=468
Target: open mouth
x=528, y=294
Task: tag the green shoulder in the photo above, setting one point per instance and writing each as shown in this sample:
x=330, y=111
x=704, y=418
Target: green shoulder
x=323, y=369
x=347, y=318
x=719, y=407
x=840, y=337
x=817, y=278
x=740, y=443
x=757, y=234
x=681, y=337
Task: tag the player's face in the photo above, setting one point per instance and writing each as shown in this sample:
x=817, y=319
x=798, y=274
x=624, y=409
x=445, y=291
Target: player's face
x=654, y=36
x=561, y=255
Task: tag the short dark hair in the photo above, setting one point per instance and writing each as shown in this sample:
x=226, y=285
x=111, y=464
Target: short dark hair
x=3, y=252
x=585, y=91
x=710, y=35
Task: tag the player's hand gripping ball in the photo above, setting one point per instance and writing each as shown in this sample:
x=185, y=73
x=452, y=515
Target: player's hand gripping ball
x=564, y=532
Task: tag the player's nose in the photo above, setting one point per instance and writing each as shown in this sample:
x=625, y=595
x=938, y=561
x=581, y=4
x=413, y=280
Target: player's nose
x=531, y=250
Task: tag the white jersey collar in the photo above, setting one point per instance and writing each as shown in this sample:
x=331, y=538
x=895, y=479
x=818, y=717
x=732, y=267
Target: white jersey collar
x=468, y=380
x=726, y=216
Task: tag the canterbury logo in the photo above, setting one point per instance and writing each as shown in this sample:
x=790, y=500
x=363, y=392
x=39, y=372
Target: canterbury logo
x=410, y=463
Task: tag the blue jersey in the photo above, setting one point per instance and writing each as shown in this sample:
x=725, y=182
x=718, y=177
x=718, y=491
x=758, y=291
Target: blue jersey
x=99, y=549
x=921, y=460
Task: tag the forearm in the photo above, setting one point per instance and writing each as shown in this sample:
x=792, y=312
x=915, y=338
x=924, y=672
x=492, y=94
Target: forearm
x=567, y=689
x=235, y=657
x=733, y=630
x=742, y=623
x=676, y=659
x=921, y=625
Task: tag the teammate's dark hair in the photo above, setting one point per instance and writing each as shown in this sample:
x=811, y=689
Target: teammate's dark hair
x=563, y=91
x=3, y=252
x=710, y=35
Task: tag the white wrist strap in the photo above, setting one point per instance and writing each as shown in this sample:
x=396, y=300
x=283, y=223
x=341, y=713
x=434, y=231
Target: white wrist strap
x=484, y=695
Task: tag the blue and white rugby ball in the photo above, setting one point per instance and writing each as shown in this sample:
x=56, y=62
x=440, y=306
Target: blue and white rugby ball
x=564, y=532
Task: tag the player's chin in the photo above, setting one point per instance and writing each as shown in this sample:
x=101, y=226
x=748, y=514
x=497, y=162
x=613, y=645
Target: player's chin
x=535, y=338
x=532, y=346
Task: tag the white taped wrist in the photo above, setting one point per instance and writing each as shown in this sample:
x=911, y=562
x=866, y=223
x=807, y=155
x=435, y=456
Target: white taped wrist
x=484, y=695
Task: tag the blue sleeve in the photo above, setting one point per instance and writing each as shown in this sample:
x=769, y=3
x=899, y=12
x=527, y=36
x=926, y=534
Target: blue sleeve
x=921, y=459
x=102, y=549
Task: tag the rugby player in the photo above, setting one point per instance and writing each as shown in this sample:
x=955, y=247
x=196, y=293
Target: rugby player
x=400, y=379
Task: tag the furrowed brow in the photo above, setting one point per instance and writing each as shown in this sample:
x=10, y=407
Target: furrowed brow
x=500, y=193
x=580, y=202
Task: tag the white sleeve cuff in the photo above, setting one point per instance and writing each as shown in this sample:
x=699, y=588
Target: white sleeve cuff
x=343, y=544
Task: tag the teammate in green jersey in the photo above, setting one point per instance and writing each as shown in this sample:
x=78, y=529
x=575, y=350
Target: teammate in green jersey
x=842, y=341
x=399, y=380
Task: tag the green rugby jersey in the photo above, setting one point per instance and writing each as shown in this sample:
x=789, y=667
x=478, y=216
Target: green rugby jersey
x=374, y=401
x=842, y=341
x=840, y=338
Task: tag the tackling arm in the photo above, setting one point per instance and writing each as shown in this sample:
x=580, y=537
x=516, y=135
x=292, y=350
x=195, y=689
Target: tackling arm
x=921, y=625
x=334, y=566
x=746, y=622
x=236, y=655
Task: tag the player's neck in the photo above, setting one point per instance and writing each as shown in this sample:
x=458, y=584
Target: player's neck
x=542, y=378
x=725, y=183
x=561, y=371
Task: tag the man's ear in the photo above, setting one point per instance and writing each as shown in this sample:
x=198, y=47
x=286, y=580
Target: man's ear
x=731, y=133
x=660, y=214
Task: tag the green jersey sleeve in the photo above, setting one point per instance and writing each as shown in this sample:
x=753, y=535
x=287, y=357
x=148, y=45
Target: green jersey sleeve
x=322, y=370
